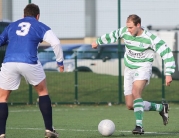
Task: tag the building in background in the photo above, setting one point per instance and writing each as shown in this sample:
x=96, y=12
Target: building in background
x=84, y=20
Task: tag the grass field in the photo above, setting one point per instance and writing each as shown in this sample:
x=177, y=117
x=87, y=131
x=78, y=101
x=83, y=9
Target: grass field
x=91, y=88
x=73, y=121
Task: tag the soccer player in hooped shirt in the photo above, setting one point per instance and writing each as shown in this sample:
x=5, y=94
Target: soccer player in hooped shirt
x=23, y=37
x=140, y=48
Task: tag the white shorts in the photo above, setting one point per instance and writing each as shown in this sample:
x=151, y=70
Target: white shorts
x=131, y=75
x=11, y=72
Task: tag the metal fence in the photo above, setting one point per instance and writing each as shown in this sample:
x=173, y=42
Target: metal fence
x=86, y=87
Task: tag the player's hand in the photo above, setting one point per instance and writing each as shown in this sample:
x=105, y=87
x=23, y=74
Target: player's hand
x=168, y=80
x=61, y=68
x=94, y=45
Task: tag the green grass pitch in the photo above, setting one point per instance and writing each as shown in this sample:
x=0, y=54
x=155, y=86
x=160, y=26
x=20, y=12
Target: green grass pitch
x=80, y=121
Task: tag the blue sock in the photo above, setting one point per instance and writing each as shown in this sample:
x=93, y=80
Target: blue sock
x=46, y=110
x=3, y=117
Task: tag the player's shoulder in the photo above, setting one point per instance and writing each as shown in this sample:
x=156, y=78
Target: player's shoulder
x=13, y=25
x=123, y=30
x=43, y=24
x=149, y=33
x=35, y=23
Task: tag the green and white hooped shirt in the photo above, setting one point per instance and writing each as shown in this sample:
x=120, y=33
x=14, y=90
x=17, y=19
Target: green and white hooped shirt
x=140, y=50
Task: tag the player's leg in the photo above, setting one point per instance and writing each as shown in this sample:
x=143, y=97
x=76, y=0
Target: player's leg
x=45, y=104
x=133, y=98
x=10, y=80
x=148, y=106
x=129, y=101
x=128, y=81
x=4, y=94
x=37, y=79
x=46, y=109
x=162, y=108
x=138, y=105
x=141, y=77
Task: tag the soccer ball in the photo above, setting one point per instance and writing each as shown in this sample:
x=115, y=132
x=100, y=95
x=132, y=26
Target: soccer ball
x=106, y=127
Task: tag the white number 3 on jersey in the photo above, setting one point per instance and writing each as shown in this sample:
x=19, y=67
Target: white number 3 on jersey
x=25, y=26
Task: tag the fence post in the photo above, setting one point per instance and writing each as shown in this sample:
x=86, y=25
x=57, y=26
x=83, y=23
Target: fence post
x=76, y=79
x=30, y=86
x=30, y=94
x=163, y=81
x=119, y=53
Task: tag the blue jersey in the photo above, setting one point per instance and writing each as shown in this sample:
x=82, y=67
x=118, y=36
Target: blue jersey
x=23, y=37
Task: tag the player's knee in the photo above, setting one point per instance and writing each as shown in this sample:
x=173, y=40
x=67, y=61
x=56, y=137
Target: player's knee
x=4, y=94
x=41, y=88
x=129, y=106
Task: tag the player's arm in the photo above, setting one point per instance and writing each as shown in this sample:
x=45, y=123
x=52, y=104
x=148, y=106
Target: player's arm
x=166, y=54
x=168, y=80
x=51, y=38
x=94, y=45
x=111, y=37
x=61, y=66
x=4, y=37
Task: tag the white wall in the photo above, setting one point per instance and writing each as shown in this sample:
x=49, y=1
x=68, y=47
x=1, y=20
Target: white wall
x=106, y=17
x=67, y=17
x=152, y=12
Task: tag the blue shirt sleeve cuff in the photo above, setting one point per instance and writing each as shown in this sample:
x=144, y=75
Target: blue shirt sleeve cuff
x=60, y=63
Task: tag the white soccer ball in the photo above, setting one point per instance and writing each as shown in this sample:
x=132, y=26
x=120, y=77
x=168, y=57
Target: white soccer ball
x=106, y=127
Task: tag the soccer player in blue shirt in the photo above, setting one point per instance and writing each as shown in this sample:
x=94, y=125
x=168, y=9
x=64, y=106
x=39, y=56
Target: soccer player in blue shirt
x=23, y=37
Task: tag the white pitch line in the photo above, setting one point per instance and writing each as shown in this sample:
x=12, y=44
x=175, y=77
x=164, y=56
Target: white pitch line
x=20, y=111
x=152, y=132
x=122, y=131
x=57, y=110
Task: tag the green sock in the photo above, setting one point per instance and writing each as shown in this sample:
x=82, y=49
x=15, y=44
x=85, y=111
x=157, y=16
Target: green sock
x=138, y=111
x=156, y=107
